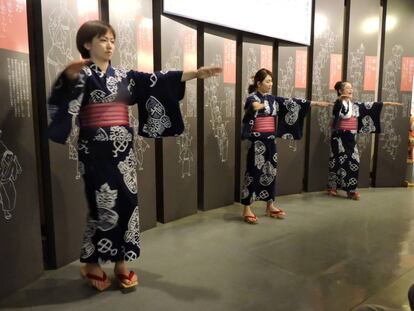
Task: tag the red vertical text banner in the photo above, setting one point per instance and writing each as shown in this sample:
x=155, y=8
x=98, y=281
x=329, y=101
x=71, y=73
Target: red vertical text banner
x=370, y=73
x=145, y=44
x=335, y=72
x=407, y=72
x=13, y=26
x=301, y=69
x=229, y=62
x=190, y=50
x=266, y=57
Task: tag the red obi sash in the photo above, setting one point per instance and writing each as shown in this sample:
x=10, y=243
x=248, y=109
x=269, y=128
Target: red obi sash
x=350, y=124
x=264, y=125
x=104, y=114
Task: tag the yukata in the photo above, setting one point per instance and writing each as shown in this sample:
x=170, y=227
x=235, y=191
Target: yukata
x=349, y=119
x=280, y=117
x=99, y=102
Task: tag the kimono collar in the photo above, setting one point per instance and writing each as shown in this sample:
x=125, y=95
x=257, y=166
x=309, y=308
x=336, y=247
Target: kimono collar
x=99, y=72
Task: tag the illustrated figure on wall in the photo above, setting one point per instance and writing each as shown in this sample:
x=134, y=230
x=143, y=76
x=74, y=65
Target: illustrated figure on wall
x=185, y=154
x=348, y=119
x=326, y=42
x=99, y=95
x=218, y=124
x=9, y=170
x=61, y=26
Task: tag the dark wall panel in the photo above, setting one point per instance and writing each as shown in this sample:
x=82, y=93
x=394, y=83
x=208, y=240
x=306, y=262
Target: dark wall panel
x=291, y=153
x=179, y=52
x=255, y=56
x=20, y=243
x=219, y=123
x=398, y=70
x=362, y=70
x=327, y=61
x=60, y=23
x=132, y=21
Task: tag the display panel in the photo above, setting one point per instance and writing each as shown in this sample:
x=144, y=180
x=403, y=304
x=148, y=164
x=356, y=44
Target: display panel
x=219, y=123
x=20, y=235
x=289, y=20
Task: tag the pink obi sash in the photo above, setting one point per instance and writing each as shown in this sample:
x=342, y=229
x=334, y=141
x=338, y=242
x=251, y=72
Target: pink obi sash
x=104, y=114
x=350, y=124
x=264, y=125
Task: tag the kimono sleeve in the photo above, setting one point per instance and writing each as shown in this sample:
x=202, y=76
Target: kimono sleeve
x=63, y=106
x=158, y=97
x=291, y=116
x=369, y=117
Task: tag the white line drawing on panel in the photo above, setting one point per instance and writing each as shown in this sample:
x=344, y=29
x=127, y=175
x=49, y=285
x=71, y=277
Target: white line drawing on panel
x=356, y=76
x=62, y=29
x=252, y=68
x=216, y=105
x=229, y=101
x=191, y=99
x=286, y=88
x=185, y=154
x=326, y=45
x=139, y=144
x=286, y=85
x=126, y=43
x=391, y=140
x=392, y=68
x=406, y=101
x=9, y=169
x=184, y=141
x=356, y=70
x=174, y=59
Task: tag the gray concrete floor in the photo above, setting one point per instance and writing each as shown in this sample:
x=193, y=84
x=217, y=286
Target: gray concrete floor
x=328, y=254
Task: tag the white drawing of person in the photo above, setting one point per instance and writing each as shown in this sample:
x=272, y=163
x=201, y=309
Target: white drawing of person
x=9, y=169
x=62, y=27
x=185, y=154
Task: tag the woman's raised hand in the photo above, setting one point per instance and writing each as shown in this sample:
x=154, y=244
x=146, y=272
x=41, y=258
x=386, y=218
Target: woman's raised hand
x=73, y=69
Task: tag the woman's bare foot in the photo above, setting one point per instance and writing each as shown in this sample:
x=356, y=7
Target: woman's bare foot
x=275, y=212
x=96, y=276
x=125, y=276
x=249, y=216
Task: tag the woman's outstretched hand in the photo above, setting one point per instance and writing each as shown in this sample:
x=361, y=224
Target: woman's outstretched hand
x=201, y=73
x=73, y=69
x=207, y=72
x=321, y=104
x=391, y=104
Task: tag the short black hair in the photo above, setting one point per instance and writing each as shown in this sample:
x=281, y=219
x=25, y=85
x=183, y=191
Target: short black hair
x=88, y=31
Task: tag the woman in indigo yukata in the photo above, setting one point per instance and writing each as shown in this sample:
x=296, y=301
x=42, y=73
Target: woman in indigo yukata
x=267, y=117
x=98, y=95
x=349, y=118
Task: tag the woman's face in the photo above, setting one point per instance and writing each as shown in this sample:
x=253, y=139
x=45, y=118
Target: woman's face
x=102, y=47
x=266, y=85
x=347, y=91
